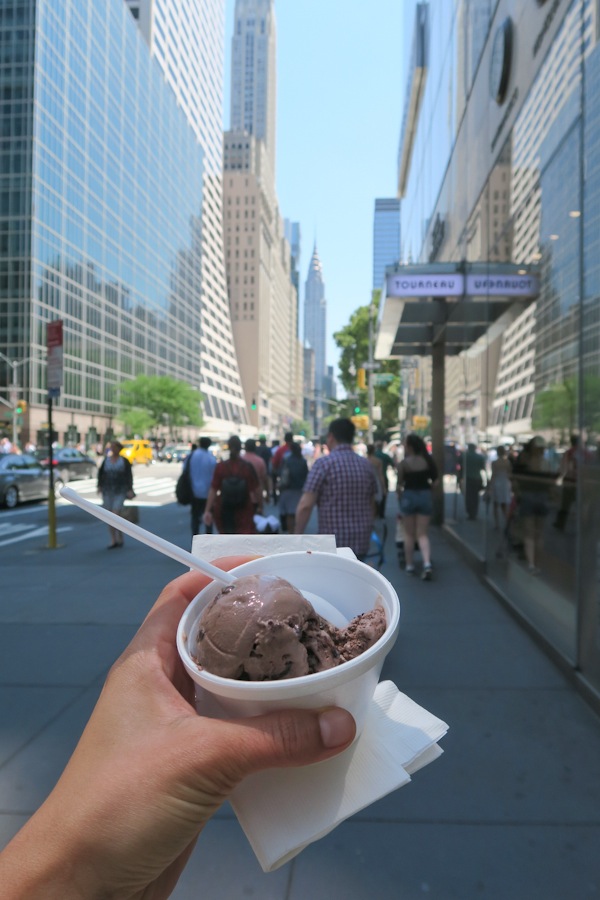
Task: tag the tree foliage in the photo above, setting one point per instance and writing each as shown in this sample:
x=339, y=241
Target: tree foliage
x=353, y=341
x=557, y=408
x=151, y=401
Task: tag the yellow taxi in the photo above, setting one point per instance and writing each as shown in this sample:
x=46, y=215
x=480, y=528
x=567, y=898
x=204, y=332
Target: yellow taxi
x=138, y=452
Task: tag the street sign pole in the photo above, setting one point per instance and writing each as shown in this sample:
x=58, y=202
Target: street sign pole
x=54, y=338
x=51, y=498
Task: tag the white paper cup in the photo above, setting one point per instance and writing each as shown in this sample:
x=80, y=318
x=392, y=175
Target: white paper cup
x=346, y=585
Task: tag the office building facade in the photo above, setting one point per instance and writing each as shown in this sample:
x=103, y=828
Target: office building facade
x=103, y=197
x=315, y=320
x=499, y=164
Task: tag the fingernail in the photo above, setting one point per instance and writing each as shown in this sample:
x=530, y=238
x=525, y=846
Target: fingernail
x=337, y=727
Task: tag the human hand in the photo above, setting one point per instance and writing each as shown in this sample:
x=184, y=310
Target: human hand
x=148, y=772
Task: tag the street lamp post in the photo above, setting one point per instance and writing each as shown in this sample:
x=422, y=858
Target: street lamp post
x=371, y=375
x=14, y=390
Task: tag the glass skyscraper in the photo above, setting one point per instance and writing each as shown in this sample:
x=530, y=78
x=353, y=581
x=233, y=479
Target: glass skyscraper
x=386, y=238
x=104, y=191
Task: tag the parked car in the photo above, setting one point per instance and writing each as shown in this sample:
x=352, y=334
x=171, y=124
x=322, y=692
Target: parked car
x=175, y=452
x=137, y=451
x=22, y=478
x=68, y=464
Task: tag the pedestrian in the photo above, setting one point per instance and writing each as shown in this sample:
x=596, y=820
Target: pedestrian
x=258, y=463
x=569, y=465
x=500, y=486
x=343, y=487
x=294, y=472
x=417, y=474
x=533, y=480
x=148, y=772
x=388, y=466
x=202, y=465
x=233, y=493
x=115, y=483
x=277, y=459
x=381, y=484
x=473, y=465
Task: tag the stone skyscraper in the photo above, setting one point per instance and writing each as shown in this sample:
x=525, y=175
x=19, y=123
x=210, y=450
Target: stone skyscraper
x=253, y=72
x=263, y=298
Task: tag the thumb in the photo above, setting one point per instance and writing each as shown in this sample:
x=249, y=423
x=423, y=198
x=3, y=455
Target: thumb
x=293, y=737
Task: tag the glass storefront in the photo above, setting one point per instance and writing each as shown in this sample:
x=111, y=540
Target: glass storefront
x=519, y=182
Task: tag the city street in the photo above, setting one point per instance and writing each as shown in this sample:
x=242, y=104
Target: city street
x=510, y=809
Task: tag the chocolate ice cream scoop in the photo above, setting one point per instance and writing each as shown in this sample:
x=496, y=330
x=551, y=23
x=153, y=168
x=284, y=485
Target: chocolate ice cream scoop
x=261, y=628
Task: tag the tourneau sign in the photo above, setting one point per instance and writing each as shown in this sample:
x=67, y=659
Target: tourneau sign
x=450, y=285
x=455, y=285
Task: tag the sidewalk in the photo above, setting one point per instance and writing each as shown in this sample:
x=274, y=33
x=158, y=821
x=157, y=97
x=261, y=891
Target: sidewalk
x=511, y=809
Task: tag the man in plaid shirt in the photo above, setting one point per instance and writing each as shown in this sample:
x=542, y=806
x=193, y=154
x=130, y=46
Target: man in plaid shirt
x=343, y=486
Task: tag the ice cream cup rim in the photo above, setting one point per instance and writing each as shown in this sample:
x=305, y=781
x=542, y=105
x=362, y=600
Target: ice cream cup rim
x=303, y=684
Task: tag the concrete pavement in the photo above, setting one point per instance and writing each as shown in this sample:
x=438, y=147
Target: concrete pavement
x=511, y=810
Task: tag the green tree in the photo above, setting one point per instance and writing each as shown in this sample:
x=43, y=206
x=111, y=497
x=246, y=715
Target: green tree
x=150, y=401
x=301, y=426
x=557, y=407
x=353, y=341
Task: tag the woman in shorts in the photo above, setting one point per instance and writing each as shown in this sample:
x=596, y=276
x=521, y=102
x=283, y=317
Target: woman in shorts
x=417, y=473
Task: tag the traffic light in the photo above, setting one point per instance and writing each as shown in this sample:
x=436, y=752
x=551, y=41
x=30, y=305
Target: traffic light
x=20, y=407
x=357, y=410
x=253, y=404
x=361, y=379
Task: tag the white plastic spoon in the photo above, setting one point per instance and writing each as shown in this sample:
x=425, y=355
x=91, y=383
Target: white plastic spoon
x=325, y=609
x=146, y=537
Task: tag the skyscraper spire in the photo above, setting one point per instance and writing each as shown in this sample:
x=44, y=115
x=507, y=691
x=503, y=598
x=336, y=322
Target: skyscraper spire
x=315, y=317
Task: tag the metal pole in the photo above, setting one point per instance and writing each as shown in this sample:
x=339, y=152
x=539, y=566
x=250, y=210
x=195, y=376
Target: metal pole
x=51, y=498
x=14, y=390
x=371, y=387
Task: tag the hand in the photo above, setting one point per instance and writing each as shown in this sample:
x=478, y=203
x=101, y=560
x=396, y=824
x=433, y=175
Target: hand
x=207, y=518
x=148, y=772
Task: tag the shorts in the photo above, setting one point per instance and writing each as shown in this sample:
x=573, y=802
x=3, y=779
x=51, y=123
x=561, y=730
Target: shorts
x=533, y=504
x=416, y=503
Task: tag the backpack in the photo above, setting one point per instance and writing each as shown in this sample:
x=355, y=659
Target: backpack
x=293, y=473
x=234, y=491
x=183, y=488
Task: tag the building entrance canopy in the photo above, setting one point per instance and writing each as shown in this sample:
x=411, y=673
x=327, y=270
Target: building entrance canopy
x=462, y=305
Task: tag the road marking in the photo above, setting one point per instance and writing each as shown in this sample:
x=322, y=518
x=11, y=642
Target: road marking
x=8, y=528
x=37, y=532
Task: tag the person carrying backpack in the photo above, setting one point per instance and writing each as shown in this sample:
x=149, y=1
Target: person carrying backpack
x=233, y=493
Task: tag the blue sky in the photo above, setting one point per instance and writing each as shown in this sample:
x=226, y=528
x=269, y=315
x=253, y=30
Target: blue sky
x=340, y=94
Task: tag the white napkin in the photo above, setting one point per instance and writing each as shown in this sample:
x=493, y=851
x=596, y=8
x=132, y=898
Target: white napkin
x=283, y=810
x=213, y=546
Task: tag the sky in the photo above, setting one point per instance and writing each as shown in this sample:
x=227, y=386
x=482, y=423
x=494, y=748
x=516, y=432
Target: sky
x=340, y=96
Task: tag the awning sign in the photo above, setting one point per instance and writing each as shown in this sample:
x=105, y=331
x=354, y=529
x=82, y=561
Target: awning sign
x=450, y=285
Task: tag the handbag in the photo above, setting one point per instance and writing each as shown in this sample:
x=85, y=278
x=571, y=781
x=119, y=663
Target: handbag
x=183, y=488
x=131, y=514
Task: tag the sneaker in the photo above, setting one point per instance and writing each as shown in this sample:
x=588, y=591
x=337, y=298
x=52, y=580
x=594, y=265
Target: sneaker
x=410, y=570
x=427, y=573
